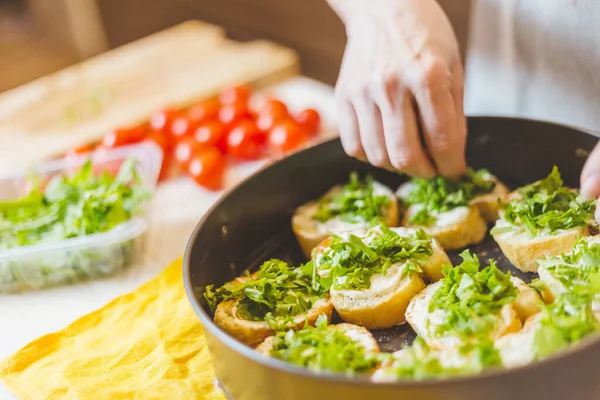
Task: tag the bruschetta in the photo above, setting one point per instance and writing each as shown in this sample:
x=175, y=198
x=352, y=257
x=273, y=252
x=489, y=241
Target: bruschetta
x=344, y=348
x=358, y=204
x=543, y=219
x=470, y=302
x=455, y=212
x=245, y=310
x=374, y=273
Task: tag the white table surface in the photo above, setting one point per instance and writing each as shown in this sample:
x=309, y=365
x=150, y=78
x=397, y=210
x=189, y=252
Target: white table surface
x=176, y=208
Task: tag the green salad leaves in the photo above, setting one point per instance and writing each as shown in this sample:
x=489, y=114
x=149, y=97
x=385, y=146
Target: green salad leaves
x=275, y=294
x=546, y=205
x=471, y=298
x=323, y=348
x=441, y=194
x=349, y=264
x=419, y=361
x=72, y=206
x=578, y=269
x=356, y=202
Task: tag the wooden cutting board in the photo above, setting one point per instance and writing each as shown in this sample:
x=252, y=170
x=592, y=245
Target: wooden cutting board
x=175, y=67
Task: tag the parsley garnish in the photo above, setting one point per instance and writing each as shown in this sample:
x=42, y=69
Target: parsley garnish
x=356, y=202
x=72, y=206
x=548, y=205
x=323, y=348
x=349, y=264
x=441, y=194
x=277, y=292
x=420, y=361
x=471, y=298
x=564, y=322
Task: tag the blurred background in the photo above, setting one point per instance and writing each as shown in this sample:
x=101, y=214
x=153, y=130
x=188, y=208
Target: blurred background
x=38, y=37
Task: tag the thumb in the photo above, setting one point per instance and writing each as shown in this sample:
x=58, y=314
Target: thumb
x=590, y=176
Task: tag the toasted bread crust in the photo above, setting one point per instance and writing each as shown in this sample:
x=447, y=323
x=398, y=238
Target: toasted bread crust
x=470, y=230
x=432, y=269
x=254, y=332
x=488, y=204
x=307, y=229
x=379, y=311
x=523, y=252
x=527, y=302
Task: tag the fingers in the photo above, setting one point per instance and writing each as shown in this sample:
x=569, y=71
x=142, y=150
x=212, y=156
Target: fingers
x=401, y=133
x=371, y=132
x=590, y=176
x=439, y=98
x=349, y=133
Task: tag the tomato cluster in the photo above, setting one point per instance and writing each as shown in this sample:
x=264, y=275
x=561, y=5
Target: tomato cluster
x=204, y=137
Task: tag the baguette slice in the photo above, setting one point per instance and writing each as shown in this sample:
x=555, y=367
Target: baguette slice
x=310, y=232
x=425, y=323
x=517, y=348
x=488, y=203
x=354, y=332
x=523, y=251
x=383, y=305
x=254, y=332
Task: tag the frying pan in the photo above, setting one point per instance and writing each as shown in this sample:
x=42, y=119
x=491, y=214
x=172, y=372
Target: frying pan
x=252, y=223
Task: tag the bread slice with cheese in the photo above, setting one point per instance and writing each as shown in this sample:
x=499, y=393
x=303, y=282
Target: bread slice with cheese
x=253, y=333
x=276, y=296
x=357, y=333
x=425, y=323
x=383, y=303
x=543, y=219
x=460, y=225
x=310, y=231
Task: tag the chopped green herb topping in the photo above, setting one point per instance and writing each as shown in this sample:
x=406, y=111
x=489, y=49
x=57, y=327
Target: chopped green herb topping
x=276, y=293
x=546, y=205
x=471, y=298
x=323, y=348
x=420, y=361
x=565, y=322
x=356, y=202
x=82, y=204
x=577, y=268
x=441, y=194
x=349, y=264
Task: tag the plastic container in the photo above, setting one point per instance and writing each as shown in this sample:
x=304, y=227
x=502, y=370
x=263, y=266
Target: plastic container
x=71, y=260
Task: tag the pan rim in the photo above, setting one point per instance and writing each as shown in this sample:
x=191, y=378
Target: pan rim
x=340, y=378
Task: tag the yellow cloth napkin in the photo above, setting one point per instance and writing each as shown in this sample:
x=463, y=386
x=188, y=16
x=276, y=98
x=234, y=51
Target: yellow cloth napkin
x=144, y=345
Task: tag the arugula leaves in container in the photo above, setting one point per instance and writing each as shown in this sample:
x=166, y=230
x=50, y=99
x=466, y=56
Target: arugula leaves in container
x=441, y=194
x=274, y=294
x=354, y=203
x=547, y=205
x=351, y=263
x=72, y=206
x=324, y=348
x=471, y=298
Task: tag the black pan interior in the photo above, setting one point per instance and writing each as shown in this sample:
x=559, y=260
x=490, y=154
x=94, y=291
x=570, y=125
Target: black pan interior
x=252, y=223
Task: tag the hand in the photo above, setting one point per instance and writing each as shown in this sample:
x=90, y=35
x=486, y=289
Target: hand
x=590, y=178
x=401, y=68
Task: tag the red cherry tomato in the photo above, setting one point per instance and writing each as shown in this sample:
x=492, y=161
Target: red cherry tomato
x=161, y=120
x=185, y=149
x=182, y=127
x=86, y=148
x=275, y=107
x=286, y=136
x=160, y=139
x=232, y=114
x=207, y=168
x=209, y=133
x=122, y=137
x=245, y=141
x=206, y=110
x=309, y=120
x=238, y=94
